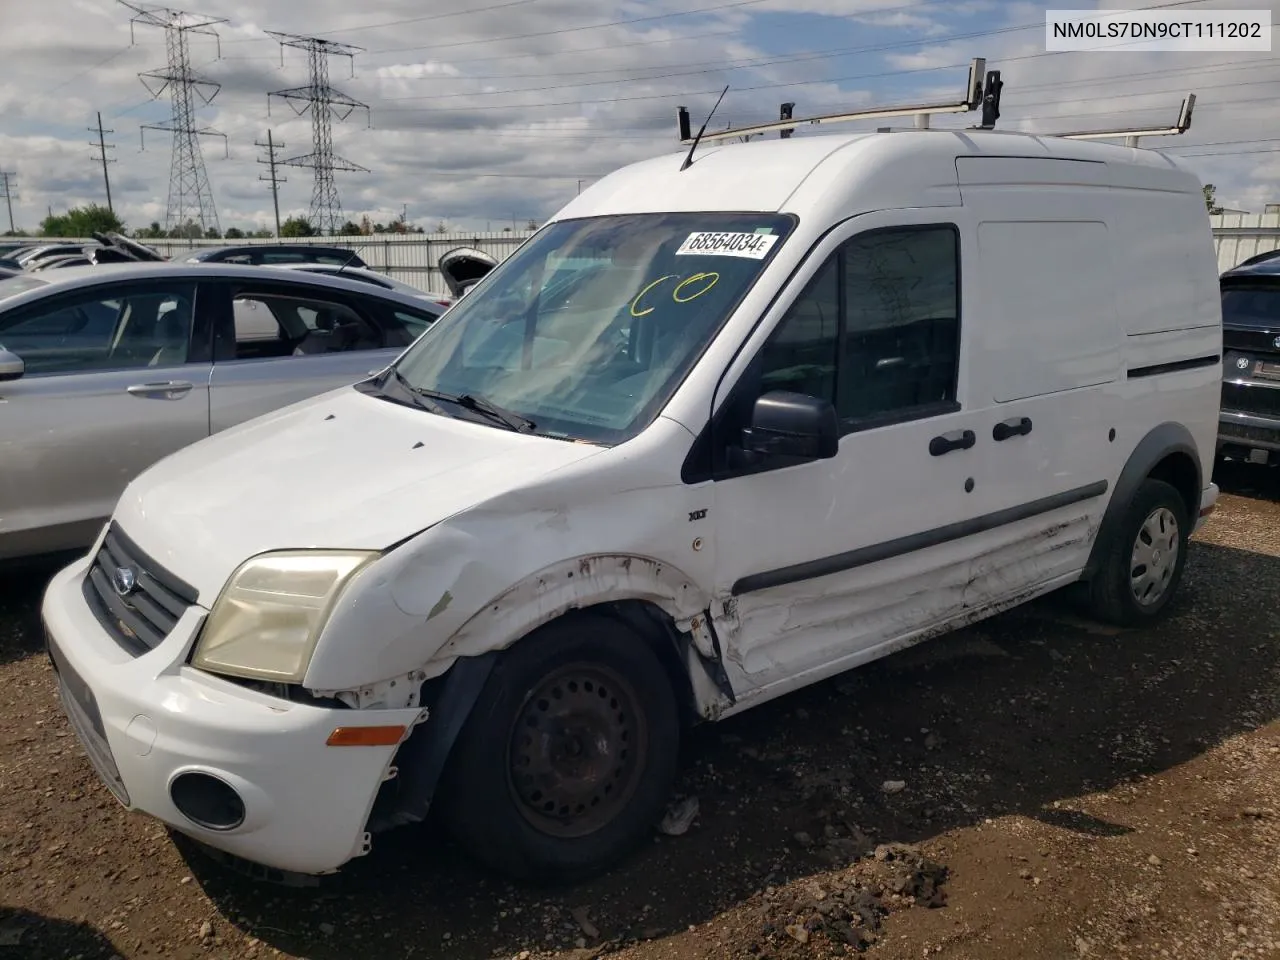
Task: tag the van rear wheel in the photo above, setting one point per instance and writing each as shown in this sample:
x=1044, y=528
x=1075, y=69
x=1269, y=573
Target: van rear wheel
x=1144, y=563
x=568, y=757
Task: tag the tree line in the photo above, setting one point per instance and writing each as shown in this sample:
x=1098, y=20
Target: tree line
x=94, y=218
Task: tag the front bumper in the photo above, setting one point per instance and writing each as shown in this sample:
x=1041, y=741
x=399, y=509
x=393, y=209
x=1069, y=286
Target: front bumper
x=1239, y=434
x=1208, y=503
x=145, y=720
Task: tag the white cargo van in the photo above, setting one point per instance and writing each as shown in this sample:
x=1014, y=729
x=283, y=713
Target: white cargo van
x=711, y=435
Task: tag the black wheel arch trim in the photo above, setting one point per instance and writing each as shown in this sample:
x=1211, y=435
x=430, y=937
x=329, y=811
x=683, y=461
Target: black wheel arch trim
x=1160, y=442
x=420, y=760
x=451, y=697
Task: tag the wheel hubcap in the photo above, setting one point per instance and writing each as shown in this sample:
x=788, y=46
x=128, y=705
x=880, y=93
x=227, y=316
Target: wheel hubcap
x=1154, y=557
x=576, y=750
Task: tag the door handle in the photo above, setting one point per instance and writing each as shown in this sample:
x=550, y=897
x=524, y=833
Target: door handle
x=1017, y=427
x=168, y=390
x=952, y=441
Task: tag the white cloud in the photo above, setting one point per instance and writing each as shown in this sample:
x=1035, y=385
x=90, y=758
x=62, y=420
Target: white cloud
x=523, y=91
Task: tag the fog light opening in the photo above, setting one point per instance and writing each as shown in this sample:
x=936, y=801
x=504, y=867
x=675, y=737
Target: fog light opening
x=207, y=801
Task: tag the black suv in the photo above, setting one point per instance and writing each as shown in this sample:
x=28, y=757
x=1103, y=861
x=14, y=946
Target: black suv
x=1249, y=425
x=269, y=253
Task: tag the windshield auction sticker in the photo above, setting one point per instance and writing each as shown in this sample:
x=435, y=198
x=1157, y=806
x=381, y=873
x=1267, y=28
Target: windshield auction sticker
x=754, y=246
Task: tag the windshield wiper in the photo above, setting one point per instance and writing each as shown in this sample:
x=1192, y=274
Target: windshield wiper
x=429, y=400
x=470, y=401
x=420, y=400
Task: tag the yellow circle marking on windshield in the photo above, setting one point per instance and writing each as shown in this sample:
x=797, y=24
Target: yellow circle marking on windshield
x=649, y=287
x=713, y=279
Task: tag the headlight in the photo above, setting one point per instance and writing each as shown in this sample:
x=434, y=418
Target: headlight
x=267, y=620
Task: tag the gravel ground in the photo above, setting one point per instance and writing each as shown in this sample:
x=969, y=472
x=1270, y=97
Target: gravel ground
x=1035, y=786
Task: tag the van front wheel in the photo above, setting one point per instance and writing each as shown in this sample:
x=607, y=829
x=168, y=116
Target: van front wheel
x=568, y=757
x=1144, y=563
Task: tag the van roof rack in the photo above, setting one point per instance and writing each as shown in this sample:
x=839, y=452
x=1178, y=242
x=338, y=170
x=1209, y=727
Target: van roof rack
x=982, y=90
x=1131, y=134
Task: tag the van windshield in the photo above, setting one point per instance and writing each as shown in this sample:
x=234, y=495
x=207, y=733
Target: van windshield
x=589, y=327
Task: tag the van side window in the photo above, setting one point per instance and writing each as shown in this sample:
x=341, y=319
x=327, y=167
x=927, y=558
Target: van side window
x=876, y=331
x=901, y=311
x=800, y=356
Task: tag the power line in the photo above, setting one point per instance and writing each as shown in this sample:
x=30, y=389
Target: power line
x=739, y=3
x=596, y=26
x=1231, y=153
x=435, y=16
x=1220, y=143
x=652, y=41
x=273, y=178
x=647, y=19
x=771, y=86
x=324, y=103
x=102, y=147
x=86, y=71
x=190, y=205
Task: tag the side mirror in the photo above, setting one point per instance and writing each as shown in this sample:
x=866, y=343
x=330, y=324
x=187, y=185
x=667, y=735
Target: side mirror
x=11, y=365
x=791, y=427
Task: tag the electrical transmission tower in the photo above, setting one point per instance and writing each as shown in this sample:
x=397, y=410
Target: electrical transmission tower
x=190, y=196
x=274, y=178
x=6, y=183
x=324, y=103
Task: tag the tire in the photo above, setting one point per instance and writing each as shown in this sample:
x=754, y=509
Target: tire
x=1158, y=514
x=557, y=807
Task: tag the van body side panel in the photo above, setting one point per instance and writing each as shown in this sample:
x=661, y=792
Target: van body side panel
x=1047, y=348
x=1171, y=312
x=828, y=564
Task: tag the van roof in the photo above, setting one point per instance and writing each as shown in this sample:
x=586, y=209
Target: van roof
x=804, y=175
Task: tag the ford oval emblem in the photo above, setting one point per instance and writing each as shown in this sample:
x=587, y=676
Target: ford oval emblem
x=124, y=580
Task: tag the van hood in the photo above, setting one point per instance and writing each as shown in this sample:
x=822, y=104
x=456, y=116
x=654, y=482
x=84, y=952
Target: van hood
x=343, y=470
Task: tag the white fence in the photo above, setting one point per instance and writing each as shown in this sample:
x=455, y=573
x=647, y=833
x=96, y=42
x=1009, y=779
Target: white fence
x=1238, y=236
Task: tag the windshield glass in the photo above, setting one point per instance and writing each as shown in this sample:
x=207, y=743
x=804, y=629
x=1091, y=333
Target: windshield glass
x=12, y=286
x=588, y=328
x=1252, y=306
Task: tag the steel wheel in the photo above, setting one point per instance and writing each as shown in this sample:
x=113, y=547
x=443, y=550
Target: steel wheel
x=577, y=750
x=1154, y=557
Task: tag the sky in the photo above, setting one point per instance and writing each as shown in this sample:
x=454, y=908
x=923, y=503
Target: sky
x=489, y=113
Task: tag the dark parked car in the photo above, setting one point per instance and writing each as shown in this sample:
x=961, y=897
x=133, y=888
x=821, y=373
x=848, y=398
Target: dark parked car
x=272, y=253
x=1249, y=427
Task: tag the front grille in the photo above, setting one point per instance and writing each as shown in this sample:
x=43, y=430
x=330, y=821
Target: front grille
x=1251, y=340
x=1263, y=401
x=1244, y=434
x=133, y=597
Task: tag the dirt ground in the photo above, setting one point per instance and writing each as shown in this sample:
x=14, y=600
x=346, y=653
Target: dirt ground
x=1033, y=787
